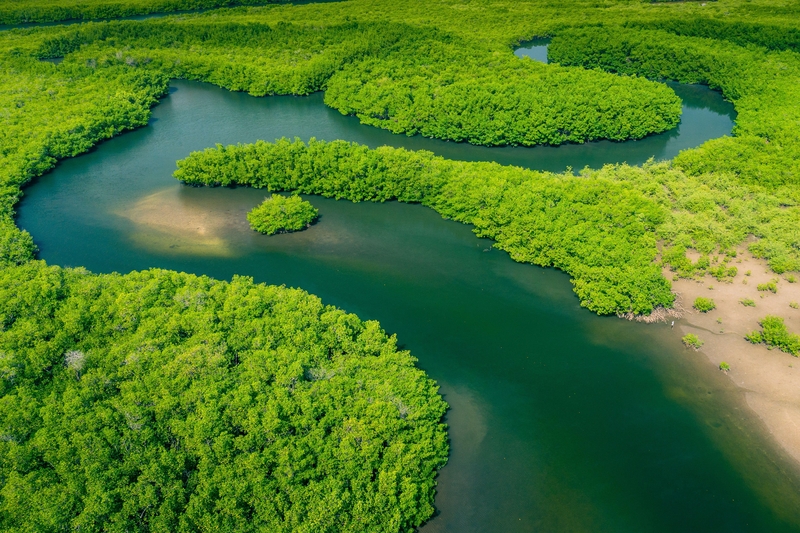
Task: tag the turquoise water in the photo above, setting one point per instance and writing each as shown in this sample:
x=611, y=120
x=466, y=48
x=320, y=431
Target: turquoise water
x=560, y=420
x=535, y=49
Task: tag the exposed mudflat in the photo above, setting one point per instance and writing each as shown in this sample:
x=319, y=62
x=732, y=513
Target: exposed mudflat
x=770, y=377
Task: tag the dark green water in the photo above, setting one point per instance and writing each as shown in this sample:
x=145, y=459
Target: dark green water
x=561, y=421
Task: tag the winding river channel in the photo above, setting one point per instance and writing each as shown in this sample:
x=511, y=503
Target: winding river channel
x=560, y=420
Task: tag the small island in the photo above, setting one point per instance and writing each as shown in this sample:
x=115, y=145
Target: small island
x=282, y=214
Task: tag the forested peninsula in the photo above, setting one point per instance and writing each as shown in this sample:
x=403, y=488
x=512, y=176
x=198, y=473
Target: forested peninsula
x=163, y=401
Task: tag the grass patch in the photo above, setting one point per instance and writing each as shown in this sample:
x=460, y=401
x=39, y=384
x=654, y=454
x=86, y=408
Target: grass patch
x=775, y=335
x=692, y=341
x=704, y=305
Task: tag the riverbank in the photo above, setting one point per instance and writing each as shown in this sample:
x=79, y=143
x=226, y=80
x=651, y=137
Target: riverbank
x=770, y=378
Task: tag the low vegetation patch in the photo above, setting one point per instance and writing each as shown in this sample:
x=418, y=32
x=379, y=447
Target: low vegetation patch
x=747, y=302
x=692, y=341
x=725, y=367
x=775, y=335
x=281, y=214
x=704, y=305
x=771, y=286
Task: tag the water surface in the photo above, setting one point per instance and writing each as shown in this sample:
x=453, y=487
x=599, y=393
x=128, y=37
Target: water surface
x=561, y=421
x=535, y=49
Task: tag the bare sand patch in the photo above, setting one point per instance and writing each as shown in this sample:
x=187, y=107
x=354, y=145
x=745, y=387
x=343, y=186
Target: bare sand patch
x=169, y=222
x=771, y=378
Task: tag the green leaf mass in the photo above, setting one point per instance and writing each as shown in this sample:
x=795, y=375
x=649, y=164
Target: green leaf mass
x=158, y=401
x=599, y=231
x=279, y=214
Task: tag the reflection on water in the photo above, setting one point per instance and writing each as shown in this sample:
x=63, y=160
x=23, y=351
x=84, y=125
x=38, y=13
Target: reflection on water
x=535, y=49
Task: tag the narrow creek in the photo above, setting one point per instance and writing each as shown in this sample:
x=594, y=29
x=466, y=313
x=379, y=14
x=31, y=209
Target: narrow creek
x=560, y=420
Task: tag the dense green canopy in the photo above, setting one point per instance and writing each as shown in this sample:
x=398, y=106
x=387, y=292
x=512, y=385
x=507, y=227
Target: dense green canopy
x=280, y=214
x=600, y=231
x=159, y=401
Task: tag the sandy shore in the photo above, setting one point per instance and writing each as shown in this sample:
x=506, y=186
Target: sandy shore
x=771, y=378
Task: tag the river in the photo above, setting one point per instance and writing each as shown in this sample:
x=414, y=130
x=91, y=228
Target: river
x=560, y=420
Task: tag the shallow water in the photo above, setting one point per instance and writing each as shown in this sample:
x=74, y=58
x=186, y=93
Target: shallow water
x=560, y=420
x=535, y=49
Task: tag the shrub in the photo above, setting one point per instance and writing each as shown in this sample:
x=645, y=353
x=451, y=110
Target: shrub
x=775, y=335
x=747, y=302
x=771, y=286
x=704, y=305
x=281, y=214
x=725, y=367
x=692, y=341
x=794, y=305
x=754, y=337
x=723, y=273
x=791, y=279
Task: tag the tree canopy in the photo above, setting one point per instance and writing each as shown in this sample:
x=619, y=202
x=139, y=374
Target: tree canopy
x=158, y=401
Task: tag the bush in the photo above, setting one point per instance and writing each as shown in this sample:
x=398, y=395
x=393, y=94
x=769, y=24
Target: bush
x=775, y=335
x=280, y=214
x=754, y=337
x=794, y=305
x=723, y=273
x=791, y=278
x=725, y=367
x=771, y=286
x=747, y=302
x=704, y=305
x=692, y=341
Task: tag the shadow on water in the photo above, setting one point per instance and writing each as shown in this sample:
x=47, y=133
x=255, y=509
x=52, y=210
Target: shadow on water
x=560, y=420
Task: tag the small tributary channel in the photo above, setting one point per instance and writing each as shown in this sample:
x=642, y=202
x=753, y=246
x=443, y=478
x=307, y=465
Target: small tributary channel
x=560, y=420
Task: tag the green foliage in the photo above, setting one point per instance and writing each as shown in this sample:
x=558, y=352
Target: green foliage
x=775, y=335
x=755, y=337
x=72, y=409
x=450, y=91
x=794, y=305
x=18, y=11
x=279, y=214
x=747, y=184
x=725, y=367
x=599, y=231
x=723, y=272
x=791, y=279
x=449, y=73
x=159, y=401
x=704, y=305
x=766, y=147
x=407, y=80
x=747, y=302
x=771, y=286
x=692, y=341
